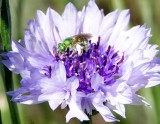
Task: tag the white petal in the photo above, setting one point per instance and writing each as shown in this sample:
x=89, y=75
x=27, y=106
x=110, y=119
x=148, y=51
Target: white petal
x=69, y=18
x=30, y=101
x=73, y=83
x=96, y=81
x=55, y=103
x=17, y=96
x=107, y=26
x=36, y=37
x=15, y=62
x=92, y=19
x=34, y=74
x=21, y=49
x=113, y=103
x=63, y=105
x=135, y=38
x=49, y=30
x=153, y=81
x=138, y=100
x=120, y=26
x=52, y=95
x=14, y=46
x=108, y=21
x=120, y=109
x=41, y=18
x=32, y=43
x=39, y=61
x=124, y=94
x=58, y=73
x=150, y=52
x=25, y=74
x=98, y=103
x=105, y=112
x=75, y=111
x=58, y=32
x=10, y=66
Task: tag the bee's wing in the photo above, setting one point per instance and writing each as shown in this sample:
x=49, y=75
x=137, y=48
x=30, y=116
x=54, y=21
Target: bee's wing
x=83, y=35
x=86, y=35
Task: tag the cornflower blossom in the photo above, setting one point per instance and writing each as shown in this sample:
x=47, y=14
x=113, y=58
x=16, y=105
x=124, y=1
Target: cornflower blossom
x=101, y=69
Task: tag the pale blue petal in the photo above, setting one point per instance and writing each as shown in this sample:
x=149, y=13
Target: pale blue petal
x=75, y=111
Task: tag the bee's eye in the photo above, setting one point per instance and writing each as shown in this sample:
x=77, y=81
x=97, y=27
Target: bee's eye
x=68, y=41
x=61, y=47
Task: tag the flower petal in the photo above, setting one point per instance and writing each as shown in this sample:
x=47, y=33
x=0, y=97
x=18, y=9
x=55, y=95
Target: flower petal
x=58, y=73
x=55, y=103
x=107, y=26
x=90, y=26
x=75, y=111
x=73, y=83
x=15, y=62
x=120, y=26
x=102, y=109
x=97, y=81
x=69, y=18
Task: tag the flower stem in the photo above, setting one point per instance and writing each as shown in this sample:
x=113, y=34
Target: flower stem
x=5, y=41
x=86, y=122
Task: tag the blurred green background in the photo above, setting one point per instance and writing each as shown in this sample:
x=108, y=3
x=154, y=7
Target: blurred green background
x=142, y=12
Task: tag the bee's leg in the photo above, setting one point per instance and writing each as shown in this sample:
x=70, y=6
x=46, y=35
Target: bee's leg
x=79, y=48
x=86, y=48
x=73, y=54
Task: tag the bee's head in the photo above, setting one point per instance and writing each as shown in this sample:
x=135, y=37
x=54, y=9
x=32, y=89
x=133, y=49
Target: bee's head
x=61, y=47
x=68, y=41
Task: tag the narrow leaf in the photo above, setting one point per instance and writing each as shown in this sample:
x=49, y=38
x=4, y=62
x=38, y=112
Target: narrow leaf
x=5, y=38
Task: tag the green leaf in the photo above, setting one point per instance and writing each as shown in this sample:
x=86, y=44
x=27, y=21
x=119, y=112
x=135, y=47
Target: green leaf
x=5, y=25
x=5, y=38
x=0, y=118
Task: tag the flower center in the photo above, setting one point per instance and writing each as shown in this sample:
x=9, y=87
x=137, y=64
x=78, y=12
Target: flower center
x=93, y=60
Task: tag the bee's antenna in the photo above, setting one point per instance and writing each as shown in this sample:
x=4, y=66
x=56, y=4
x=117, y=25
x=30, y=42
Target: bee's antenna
x=67, y=50
x=98, y=42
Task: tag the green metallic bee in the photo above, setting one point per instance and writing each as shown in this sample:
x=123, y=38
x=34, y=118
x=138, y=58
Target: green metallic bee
x=75, y=43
